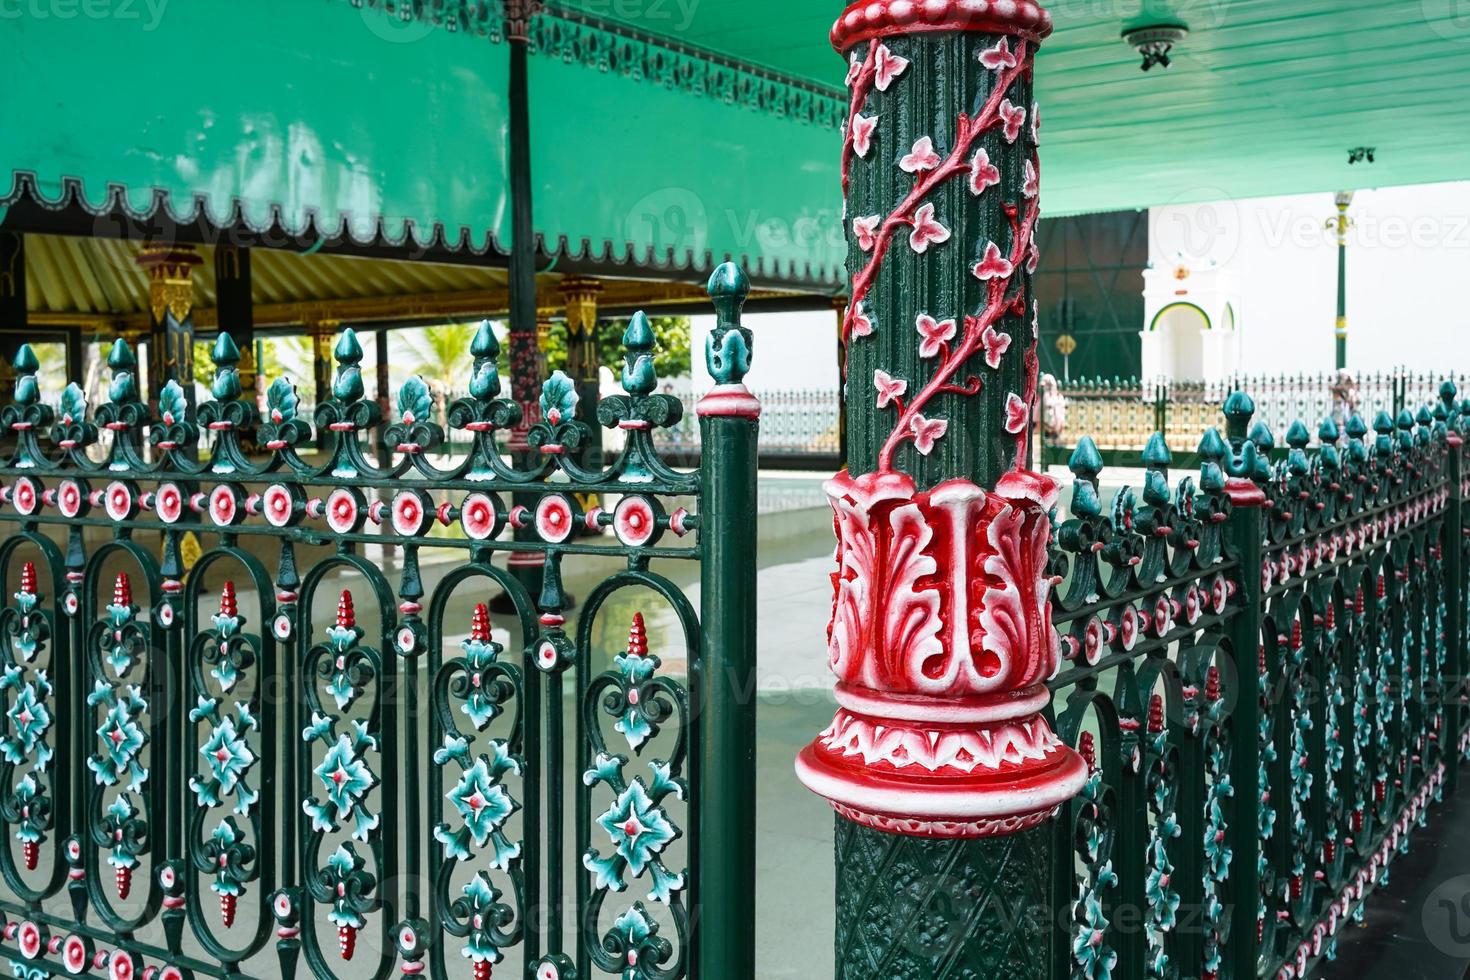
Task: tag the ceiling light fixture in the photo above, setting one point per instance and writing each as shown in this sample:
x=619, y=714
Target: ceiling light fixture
x=1156, y=43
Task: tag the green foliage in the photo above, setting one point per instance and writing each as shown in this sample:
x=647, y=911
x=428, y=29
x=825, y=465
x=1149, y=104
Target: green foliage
x=671, y=345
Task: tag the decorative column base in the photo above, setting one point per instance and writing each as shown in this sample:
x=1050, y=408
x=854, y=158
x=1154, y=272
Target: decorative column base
x=910, y=908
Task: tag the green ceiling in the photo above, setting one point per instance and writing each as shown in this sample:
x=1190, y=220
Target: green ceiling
x=1265, y=97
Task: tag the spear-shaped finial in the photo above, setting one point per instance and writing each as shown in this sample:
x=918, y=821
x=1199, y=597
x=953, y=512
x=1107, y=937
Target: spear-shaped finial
x=28, y=578
x=227, y=604
x=480, y=625
x=637, y=637
x=1156, y=714
x=122, y=591
x=345, y=617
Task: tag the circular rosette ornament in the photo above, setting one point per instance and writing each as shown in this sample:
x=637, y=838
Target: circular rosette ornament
x=482, y=516
x=412, y=513
x=282, y=426
x=557, y=967
x=413, y=937
x=638, y=521
x=282, y=504
x=415, y=431
x=555, y=652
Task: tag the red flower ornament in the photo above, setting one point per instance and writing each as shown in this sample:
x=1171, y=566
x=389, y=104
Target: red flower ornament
x=1012, y=118
x=995, y=344
x=1017, y=413
x=859, y=324
x=866, y=230
x=983, y=173
x=862, y=134
x=927, y=230
x=936, y=333
x=890, y=389
x=927, y=432
x=886, y=67
x=922, y=157
x=999, y=57
x=994, y=265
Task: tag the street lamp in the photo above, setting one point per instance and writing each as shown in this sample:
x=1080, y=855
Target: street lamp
x=1341, y=224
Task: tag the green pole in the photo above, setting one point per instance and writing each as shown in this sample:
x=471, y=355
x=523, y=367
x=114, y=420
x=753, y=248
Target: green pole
x=1341, y=224
x=940, y=637
x=724, y=674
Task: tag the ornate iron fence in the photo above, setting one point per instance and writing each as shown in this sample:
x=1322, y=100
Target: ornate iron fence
x=1266, y=660
x=799, y=428
x=1121, y=414
x=203, y=778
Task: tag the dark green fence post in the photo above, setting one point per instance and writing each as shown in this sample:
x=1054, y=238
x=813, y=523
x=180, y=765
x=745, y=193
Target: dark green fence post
x=1454, y=585
x=724, y=681
x=1246, y=533
x=941, y=762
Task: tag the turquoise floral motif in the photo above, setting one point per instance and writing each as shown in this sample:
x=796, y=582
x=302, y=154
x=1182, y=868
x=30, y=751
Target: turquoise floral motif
x=1217, y=851
x=120, y=735
x=484, y=805
x=344, y=776
x=32, y=808
x=348, y=881
x=482, y=907
x=483, y=705
x=29, y=632
x=1095, y=958
x=638, y=828
x=29, y=719
x=637, y=668
x=122, y=638
x=559, y=399
x=229, y=855
x=122, y=828
x=21, y=971
x=633, y=940
x=227, y=755
x=342, y=638
x=227, y=628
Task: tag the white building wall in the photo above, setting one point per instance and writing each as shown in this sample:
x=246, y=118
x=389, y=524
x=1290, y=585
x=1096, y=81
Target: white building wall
x=1408, y=267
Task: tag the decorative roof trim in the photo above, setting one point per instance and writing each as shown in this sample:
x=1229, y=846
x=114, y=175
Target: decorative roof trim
x=114, y=204
x=593, y=42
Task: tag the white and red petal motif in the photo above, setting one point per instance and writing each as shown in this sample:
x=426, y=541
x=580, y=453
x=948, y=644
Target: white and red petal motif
x=277, y=504
x=1033, y=257
x=1017, y=413
x=69, y=498
x=28, y=939
x=344, y=511
x=1031, y=184
x=413, y=512
x=74, y=958
x=554, y=520
x=983, y=173
x=951, y=751
x=224, y=505
x=927, y=432
x=854, y=68
x=634, y=521
x=548, y=971
x=927, y=230
x=866, y=230
x=120, y=965
x=1036, y=123
x=859, y=324
x=886, y=67
x=995, y=344
x=936, y=334
x=922, y=157
x=168, y=503
x=1012, y=118
x=863, y=128
x=477, y=517
x=890, y=389
x=26, y=497
x=993, y=265
x=1128, y=627
x=117, y=500
x=999, y=57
